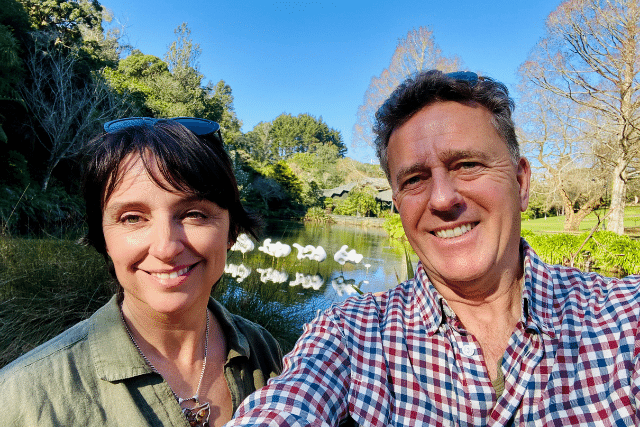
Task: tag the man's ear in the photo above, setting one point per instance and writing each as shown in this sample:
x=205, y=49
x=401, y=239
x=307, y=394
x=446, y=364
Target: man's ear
x=523, y=175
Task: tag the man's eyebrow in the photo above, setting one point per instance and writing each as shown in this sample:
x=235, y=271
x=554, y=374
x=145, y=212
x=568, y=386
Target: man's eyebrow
x=449, y=156
x=410, y=170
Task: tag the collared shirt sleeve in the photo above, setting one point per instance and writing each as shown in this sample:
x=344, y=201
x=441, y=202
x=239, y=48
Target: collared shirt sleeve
x=313, y=388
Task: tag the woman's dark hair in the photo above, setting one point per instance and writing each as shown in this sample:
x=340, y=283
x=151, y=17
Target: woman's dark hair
x=428, y=87
x=195, y=165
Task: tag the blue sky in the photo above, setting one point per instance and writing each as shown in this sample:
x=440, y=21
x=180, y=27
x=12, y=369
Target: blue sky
x=318, y=57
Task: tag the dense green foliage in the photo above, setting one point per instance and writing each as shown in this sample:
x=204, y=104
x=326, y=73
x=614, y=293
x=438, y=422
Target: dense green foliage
x=604, y=251
x=64, y=72
x=48, y=285
x=359, y=202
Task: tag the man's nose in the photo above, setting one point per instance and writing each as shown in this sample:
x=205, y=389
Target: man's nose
x=444, y=193
x=166, y=240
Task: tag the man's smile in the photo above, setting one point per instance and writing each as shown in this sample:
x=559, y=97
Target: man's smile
x=455, y=231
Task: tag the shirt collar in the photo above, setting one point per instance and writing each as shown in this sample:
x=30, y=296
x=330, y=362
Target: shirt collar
x=116, y=357
x=237, y=343
x=537, y=296
x=538, y=292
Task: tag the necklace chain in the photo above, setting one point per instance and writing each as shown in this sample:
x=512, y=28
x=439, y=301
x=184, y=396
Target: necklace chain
x=198, y=415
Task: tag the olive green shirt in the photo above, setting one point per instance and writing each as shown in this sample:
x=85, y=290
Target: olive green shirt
x=93, y=375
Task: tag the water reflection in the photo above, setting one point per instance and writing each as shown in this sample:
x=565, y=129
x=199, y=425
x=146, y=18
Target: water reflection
x=329, y=264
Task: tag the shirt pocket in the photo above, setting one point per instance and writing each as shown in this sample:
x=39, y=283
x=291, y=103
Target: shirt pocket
x=369, y=401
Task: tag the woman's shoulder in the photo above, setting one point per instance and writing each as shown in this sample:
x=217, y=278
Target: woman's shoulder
x=48, y=354
x=52, y=357
x=245, y=337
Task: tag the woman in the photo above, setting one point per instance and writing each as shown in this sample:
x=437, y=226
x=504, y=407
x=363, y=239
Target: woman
x=163, y=208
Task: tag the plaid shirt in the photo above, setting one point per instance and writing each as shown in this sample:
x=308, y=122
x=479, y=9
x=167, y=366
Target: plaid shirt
x=404, y=359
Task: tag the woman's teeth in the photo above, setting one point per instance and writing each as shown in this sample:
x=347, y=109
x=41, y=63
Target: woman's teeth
x=172, y=275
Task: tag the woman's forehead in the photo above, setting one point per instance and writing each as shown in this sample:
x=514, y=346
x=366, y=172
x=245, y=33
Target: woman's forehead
x=135, y=165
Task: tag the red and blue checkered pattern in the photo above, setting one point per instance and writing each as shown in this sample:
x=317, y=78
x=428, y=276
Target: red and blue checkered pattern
x=404, y=359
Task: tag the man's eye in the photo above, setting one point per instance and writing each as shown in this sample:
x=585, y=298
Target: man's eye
x=413, y=180
x=468, y=165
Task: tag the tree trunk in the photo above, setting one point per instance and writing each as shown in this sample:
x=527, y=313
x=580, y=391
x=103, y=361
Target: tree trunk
x=573, y=219
x=618, y=193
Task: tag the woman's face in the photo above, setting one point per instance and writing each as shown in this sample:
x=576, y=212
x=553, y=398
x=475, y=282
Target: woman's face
x=168, y=248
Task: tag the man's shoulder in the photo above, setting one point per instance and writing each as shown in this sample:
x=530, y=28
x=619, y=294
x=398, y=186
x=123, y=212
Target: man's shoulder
x=399, y=301
x=569, y=280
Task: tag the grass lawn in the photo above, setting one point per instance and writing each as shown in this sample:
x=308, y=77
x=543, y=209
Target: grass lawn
x=556, y=224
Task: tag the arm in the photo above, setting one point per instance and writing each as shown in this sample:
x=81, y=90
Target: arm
x=313, y=388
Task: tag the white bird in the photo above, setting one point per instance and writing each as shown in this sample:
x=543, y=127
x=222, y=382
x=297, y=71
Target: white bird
x=343, y=286
x=280, y=249
x=271, y=275
x=318, y=254
x=243, y=244
x=277, y=249
x=238, y=272
x=300, y=248
x=266, y=247
x=314, y=253
x=342, y=256
x=306, y=281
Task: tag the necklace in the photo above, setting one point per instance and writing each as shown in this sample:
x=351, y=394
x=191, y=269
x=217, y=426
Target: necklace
x=198, y=414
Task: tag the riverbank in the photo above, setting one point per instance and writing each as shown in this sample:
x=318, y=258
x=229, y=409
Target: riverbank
x=359, y=221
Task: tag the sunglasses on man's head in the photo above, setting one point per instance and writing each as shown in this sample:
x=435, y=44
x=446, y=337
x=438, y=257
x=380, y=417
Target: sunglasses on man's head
x=199, y=127
x=465, y=76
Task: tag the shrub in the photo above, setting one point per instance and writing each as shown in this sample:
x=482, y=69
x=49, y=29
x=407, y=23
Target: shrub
x=393, y=227
x=317, y=214
x=359, y=202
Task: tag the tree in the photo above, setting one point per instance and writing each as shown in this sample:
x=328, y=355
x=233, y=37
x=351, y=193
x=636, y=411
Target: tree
x=590, y=56
x=218, y=106
x=416, y=52
x=554, y=136
x=182, y=58
x=64, y=18
x=256, y=143
x=67, y=109
x=284, y=176
x=147, y=79
x=302, y=133
x=13, y=21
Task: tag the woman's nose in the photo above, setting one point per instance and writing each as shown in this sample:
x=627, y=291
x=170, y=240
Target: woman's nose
x=166, y=240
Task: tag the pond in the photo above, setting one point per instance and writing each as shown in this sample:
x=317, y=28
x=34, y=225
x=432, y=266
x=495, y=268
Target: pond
x=320, y=284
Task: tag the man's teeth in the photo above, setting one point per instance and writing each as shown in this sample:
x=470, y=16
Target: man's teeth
x=172, y=275
x=454, y=232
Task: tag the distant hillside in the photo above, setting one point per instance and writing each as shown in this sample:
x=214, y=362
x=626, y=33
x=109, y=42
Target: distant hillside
x=338, y=172
x=354, y=170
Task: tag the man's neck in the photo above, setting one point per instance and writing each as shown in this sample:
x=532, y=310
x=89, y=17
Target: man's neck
x=491, y=320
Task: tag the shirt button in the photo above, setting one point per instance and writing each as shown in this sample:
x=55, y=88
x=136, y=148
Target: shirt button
x=468, y=350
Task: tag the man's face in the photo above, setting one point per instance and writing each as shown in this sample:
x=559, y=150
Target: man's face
x=459, y=194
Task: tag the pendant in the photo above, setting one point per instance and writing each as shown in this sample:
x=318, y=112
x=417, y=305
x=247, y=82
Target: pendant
x=198, y=415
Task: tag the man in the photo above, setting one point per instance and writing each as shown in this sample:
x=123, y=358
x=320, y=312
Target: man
x=486, y=333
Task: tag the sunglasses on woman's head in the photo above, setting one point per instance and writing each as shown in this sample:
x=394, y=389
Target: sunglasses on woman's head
x=199, y=127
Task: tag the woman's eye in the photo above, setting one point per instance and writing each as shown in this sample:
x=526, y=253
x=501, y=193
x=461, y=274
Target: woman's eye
x=130, y=219
x=195, y=215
